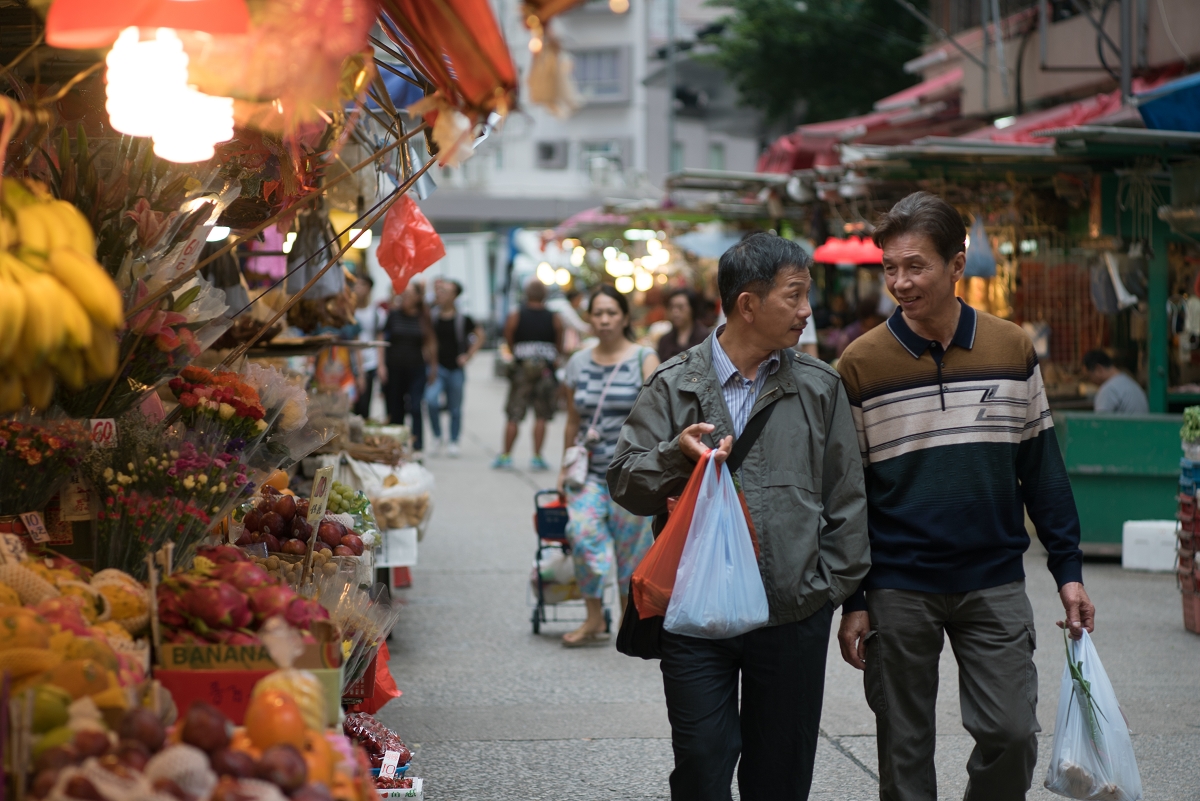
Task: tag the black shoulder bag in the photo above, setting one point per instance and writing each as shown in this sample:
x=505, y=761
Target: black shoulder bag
x=643, y=638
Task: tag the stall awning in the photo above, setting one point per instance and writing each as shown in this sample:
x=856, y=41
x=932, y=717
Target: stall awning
x=930, y=108
x=1173, y=106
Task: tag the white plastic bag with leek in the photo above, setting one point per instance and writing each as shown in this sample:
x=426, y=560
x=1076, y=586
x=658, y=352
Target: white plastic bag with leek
x=1093, y=755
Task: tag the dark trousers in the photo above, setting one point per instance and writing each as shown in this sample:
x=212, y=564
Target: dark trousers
x=783, y=679
x=362, y=406
x=404, y=391
x=991, y=633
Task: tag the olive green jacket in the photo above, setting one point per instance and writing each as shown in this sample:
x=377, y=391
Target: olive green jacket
x=803, y=479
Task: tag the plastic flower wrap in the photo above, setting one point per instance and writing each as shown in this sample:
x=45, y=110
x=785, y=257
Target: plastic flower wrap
x=157, y=343
x=36, y=458
x=161, y=485
x=364, y=620
x=286, y=409
x=221, y=398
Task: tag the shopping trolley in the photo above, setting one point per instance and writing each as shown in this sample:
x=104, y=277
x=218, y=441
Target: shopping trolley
x=550, y=525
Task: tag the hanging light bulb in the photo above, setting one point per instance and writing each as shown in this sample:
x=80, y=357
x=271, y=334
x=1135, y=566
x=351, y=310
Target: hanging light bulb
x=148, y=95
x=545, y=273
x=363, y=242
x=562, y=276
x=219, y=233
x=643, y=281
x=288, y=241
x=624, y=284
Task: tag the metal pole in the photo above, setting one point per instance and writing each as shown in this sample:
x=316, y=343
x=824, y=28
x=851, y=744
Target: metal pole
x=983, y=23
x=1126, y=50
x=671, y=87
x=999, y=36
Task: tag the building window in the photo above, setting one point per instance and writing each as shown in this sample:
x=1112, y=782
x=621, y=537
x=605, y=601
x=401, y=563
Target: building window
x=600, y=74
x=551, y=154
x=716, y=155
x=676, y=157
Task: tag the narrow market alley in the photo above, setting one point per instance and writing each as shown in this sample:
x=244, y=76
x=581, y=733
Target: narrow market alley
x=495, y=712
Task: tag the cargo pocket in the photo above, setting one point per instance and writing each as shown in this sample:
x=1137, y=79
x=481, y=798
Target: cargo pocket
x=873, y=681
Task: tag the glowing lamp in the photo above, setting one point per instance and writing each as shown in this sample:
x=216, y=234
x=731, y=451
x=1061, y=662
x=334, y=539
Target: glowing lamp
x=545, y=273
x=624, y=284
x=562, y=276
x=363, y=242
x=643, y=281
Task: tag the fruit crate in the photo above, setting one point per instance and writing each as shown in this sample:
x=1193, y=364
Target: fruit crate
x=1187, y=507
x=1186, y=581
x=1187, y=486
x=1189, y=469
x=1191, y=611
x=360, y=690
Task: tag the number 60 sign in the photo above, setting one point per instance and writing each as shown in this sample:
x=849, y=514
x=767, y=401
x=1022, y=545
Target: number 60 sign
x=104, y=432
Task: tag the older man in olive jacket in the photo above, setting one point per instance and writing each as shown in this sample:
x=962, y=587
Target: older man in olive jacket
x=803, y=483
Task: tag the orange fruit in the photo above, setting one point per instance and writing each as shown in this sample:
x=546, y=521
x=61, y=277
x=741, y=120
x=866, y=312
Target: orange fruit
x=319, y=756
x=278, y=480
x=274, y=718
x=22, y=628
x=79, y=677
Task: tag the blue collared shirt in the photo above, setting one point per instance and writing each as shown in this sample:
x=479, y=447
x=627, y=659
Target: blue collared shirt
x=740, y=393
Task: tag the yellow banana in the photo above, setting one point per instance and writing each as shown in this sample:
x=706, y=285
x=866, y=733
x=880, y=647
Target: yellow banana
x=43, y=331
x=16, y=194
x=8, y=232
x=59, y=231
x=69, y=362
x=32, y=232
x=101, y=357
x=12, y=316
x=10, y=393
x=76, y=323
x=39, y=387
x=79, y=230
x=90, y=285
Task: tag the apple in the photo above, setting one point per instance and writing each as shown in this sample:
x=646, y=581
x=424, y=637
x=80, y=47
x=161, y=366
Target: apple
x=253, y=520
x=342, y=550
x=297, y=547
x=354, y=543
x=331, y=533
x=285, y=507
x=272, y=543
x=273, y=523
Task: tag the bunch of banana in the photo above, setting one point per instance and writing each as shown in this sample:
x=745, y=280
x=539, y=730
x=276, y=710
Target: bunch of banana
x=59, y=309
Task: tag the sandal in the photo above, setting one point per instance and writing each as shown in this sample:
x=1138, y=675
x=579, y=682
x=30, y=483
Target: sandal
x=586, y=639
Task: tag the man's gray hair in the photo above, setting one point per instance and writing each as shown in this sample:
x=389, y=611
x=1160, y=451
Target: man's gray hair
x=752, y=265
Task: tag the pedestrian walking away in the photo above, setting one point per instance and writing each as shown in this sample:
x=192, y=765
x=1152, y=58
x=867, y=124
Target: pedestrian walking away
x=535, y=335
x=957, y=444
x=602, y=384
x=458, y=339
x=803, y=485
x=411, y=361
x=370, y=324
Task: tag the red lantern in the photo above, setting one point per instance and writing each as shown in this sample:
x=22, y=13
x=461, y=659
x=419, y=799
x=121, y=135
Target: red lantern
x=83, y=24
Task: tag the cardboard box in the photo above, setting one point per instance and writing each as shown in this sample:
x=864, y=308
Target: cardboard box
x=417, y=791
x=229, y=690
x=173, y=656
x=1149, y=545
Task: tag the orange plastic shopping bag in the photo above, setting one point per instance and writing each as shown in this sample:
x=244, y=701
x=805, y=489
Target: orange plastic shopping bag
x=654, y=579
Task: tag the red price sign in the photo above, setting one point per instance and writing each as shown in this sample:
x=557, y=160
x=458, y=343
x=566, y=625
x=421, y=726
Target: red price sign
x=104, y=432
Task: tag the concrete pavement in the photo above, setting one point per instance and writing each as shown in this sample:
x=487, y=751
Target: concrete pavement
x=495, y=712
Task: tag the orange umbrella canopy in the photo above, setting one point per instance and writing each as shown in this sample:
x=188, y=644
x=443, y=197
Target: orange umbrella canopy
x=457, y=44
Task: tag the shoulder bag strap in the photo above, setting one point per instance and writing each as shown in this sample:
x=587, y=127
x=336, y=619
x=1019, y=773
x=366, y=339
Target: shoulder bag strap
x=603, y=395
x=745, y=442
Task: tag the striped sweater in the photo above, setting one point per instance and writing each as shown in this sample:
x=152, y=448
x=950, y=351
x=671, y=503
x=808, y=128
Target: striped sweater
x=956, y=444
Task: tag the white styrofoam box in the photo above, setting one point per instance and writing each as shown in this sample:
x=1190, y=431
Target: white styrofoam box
x=399, y=548
x=1149, y=545
x=417, y=791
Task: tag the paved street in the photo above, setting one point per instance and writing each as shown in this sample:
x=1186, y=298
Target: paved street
x=494, y=712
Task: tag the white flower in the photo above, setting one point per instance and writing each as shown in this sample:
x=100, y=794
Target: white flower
x=202, y=479
x=260, y=425
x=108, y=474
x=130, y=467
x=221, y=487
x=226, y=411
x=189, y=483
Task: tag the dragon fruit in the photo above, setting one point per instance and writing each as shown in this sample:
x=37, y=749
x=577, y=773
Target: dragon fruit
x=217, y=605
x=221, y=554
x=302, y=613
x=227, y=637
x=184, y=637
x=271, y=600
x=242, y=575
x=171, y=609
x=66, y=611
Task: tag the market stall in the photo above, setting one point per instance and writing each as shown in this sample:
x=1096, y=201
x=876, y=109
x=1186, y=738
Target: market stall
x=191, y=522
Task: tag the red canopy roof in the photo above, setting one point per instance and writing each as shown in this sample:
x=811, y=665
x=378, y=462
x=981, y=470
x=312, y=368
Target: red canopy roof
x=930, y=108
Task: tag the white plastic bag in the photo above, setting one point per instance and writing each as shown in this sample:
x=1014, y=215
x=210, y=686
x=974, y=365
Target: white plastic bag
x=718, y=590
x=1093, y=755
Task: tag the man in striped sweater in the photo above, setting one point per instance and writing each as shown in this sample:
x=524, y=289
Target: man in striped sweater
x=957, y=443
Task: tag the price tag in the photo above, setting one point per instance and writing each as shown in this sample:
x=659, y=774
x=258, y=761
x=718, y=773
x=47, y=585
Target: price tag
x=322, y=486
x=391, y=761
x=104, y=432
x=12, y=550
x=35, y=527
x=76, y=499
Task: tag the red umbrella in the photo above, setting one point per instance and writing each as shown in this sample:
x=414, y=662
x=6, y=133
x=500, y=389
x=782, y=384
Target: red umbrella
x=855, y=250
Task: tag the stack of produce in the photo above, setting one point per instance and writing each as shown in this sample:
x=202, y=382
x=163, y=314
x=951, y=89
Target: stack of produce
x=377, y=740
x=205, y=758
x=59, y=309
x=225, y=598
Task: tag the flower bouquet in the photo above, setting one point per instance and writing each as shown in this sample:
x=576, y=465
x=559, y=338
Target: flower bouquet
x=161, y=485
x=220, y=398
x=36, y=458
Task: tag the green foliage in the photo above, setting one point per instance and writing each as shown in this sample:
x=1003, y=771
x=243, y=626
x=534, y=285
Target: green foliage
x=834, y=57
x=1191, y=424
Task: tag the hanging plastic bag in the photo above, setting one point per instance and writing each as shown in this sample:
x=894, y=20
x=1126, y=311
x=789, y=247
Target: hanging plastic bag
x=1093, y=755
x=654, y=578
x=718, y=590
x=409, y=245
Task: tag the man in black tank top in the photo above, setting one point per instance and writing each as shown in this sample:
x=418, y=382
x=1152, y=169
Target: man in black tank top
x=534, y=334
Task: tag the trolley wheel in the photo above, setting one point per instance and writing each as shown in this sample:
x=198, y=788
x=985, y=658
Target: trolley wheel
x=607, y=620
x=537, y=620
